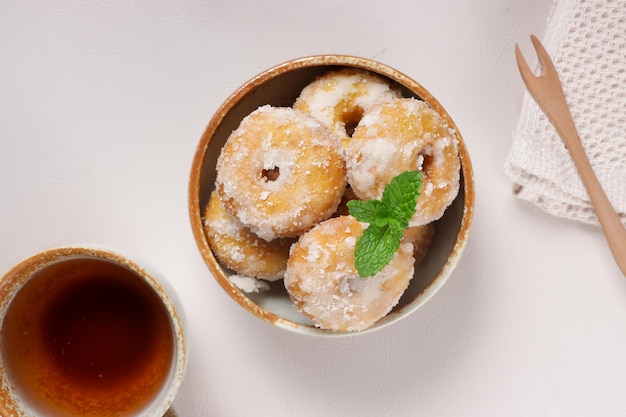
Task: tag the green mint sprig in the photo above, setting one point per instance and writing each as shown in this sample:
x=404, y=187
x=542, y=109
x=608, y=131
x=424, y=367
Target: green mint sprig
x=387, y=218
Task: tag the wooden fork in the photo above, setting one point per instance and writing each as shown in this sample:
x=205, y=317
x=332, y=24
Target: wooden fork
x=547, y=91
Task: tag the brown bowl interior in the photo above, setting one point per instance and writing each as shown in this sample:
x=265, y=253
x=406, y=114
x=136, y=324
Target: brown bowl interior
x=280, y=86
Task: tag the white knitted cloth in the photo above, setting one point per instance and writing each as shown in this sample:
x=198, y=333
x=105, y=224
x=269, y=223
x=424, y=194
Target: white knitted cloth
x=587, y=42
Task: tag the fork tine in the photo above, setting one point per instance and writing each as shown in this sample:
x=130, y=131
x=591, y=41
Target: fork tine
x=544, y=58
x=529, y=78
x=522, y=65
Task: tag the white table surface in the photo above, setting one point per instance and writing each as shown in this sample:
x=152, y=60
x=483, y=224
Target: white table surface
x=102, y=104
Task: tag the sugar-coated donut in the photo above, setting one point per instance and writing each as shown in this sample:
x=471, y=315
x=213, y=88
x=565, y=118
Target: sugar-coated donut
x=237, y=248
x=421, y=237
x=343, y=210
x=402, y=135
x=281, y=172
x=323, y=283
x=340, y=98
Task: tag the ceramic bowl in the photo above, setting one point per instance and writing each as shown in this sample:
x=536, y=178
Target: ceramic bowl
x=280, y=86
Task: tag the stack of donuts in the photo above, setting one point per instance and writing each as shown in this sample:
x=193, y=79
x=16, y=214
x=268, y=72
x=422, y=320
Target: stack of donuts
x=284, y=176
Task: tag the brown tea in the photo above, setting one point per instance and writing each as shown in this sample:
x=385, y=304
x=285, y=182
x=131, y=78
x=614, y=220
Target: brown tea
x=87, y=337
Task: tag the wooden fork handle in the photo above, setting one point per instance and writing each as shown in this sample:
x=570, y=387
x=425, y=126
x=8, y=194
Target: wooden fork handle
x=610, y=222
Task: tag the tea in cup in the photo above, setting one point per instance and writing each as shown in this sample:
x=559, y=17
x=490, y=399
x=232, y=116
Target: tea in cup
x=87, y=332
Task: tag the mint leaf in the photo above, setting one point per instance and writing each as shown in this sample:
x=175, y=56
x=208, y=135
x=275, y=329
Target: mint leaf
x=364, y=211
x=387, y=220
x=400, y=195
x=381, y=221
x=375, y=249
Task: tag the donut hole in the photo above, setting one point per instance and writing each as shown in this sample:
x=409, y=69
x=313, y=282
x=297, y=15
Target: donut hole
x=427, y=160
x=270, y=175
x=353, y=284
x=351, y=119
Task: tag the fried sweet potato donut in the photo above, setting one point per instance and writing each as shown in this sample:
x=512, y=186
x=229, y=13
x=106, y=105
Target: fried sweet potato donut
x=401, y=135
x=323, y=283
x=339, y=98
x=281, y=172
x=241, y=250
x=343, y=210
x=421, y=237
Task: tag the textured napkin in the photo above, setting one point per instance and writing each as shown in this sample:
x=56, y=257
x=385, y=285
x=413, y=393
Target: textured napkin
x=587, y=42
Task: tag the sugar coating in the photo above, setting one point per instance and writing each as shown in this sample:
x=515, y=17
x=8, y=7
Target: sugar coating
x=240, y=249
x=421, y=237
x=339, y=98
x=322, y=280
x=402, y=135
x=309, y=166
x=249, y=284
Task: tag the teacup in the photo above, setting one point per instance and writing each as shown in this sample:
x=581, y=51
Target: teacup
x=88, y=332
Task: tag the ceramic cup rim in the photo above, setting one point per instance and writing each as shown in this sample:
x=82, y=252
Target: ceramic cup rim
x=329, y=60
x=14, y=279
